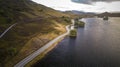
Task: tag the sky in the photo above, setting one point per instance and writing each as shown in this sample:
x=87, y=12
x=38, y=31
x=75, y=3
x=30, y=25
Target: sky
x=82, y=5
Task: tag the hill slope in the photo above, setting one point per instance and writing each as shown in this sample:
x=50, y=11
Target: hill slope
x=23, y=10
x=113, y=14
x=81, y=13
x=36, y=25
x=19, y=9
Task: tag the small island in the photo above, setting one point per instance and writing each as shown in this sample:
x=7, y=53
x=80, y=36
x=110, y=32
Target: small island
x=73, y=33
x=79, y=24
x=105, y=18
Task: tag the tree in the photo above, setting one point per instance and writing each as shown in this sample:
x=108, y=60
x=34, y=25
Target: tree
x=73, y=33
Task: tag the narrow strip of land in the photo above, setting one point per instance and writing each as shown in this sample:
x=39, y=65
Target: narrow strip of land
x=23, y=62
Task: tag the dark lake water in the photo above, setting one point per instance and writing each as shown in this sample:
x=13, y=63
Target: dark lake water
x=96, y=45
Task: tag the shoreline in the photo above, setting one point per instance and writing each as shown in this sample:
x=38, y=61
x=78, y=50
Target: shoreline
x=42, y=55
x=43, y=50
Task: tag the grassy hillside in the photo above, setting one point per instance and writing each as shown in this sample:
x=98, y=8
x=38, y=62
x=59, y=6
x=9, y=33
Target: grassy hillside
x=15, y=10
x=23, y=10
x=36, y=25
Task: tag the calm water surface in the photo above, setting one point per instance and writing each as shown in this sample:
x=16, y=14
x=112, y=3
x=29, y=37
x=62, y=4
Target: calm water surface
x=96, y=45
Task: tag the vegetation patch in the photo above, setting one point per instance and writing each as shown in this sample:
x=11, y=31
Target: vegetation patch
x=73, y=33
x=105, y=18
x=79, y=24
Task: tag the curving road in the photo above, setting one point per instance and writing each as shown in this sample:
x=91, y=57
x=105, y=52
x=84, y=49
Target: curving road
x=7, y=30
x=39, y=51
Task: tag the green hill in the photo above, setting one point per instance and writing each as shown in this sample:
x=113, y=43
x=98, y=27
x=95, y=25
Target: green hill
x=23, y=10
x=36, y=25
x=16, y=10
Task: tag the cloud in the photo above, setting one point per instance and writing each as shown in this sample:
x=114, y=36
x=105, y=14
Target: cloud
x=82, y=1
x=91, y=1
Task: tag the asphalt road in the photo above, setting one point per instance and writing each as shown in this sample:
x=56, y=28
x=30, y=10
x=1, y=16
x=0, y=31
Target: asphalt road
x=23, y=62
x=7, y=30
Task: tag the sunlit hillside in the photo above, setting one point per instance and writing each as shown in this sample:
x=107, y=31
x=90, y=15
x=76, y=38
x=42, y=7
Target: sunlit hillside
x=36, y=25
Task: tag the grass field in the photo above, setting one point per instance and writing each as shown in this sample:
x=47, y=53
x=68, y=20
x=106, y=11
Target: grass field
x=25, y=38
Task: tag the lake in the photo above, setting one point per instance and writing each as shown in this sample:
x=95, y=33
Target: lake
x=96, y=45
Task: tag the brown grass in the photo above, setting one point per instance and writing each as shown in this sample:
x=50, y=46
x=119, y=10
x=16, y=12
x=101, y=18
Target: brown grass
x=39, y=57
x=37, y=41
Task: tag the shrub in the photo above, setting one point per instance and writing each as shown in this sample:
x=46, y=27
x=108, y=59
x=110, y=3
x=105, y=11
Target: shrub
x=73, y=33
x=105, y=18
x=66, y=19
x=79, y=24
